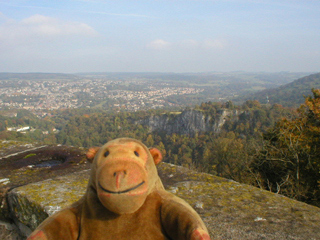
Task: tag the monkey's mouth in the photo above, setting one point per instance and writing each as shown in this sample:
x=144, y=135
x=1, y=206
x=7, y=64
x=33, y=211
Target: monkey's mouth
x=120, y=192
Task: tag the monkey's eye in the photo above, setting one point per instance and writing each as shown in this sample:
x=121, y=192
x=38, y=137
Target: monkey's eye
x=106, y=153
x=136, y=153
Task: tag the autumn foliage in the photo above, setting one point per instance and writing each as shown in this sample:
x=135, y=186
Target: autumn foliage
x=290, y=160
x=269, y=146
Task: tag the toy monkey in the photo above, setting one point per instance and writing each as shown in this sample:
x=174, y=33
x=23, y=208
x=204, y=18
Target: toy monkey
x=125, y=199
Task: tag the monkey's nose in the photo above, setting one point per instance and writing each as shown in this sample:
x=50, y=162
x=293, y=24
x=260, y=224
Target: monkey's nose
x=117, y=173
x=119, y=177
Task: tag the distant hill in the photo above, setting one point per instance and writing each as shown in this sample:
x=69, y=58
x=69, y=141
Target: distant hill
x=290, y=95
x=36, y=76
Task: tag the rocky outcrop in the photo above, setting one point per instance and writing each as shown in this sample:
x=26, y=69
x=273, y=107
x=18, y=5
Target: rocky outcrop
x=229, y=209
x=188, y=122
x=29, y=205
x=32, y=163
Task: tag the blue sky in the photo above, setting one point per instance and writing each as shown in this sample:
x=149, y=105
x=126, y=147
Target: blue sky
x=159, y=35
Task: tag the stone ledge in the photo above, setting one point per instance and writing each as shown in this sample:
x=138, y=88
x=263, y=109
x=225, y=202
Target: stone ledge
x=229, y=209
x=32, y=203
x=35, y=164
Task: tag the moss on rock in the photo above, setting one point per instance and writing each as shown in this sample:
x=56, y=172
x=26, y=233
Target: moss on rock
x=229, y=209
x=34, y=202
x=36, y=164
x=237, y=211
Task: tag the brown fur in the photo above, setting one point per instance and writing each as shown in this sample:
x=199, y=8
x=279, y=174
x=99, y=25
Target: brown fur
x=125, y=199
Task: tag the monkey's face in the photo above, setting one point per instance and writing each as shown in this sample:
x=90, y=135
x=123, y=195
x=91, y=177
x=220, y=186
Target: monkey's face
x=124, y=174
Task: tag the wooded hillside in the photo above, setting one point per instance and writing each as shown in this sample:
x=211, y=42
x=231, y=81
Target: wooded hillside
x=268, y=146
x=290, y=95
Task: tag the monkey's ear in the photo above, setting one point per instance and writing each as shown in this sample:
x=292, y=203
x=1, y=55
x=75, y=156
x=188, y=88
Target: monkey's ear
x=91, y=153
x=156, y=154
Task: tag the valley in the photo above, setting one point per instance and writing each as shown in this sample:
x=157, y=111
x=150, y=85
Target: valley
x=40, y=93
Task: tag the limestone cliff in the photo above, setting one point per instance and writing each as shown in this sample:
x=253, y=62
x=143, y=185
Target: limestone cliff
x=188, y=122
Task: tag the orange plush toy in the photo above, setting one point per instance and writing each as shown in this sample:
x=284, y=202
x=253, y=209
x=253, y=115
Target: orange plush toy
x=125, y=199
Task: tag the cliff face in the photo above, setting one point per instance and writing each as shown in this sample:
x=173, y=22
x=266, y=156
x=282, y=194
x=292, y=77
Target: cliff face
x=188, y=122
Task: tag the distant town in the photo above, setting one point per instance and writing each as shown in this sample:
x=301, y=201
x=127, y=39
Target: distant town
x=39, y=95
x=44, y=93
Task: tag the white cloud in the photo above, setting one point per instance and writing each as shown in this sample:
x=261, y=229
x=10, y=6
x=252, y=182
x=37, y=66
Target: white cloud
x=159, y=44
x=39, y=26
x=188, y=44
x=37, y=19
x=43, y=42
x=215, y=44
x=51, y=26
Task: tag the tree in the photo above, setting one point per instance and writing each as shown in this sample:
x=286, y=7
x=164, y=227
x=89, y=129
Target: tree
x=149, y=142
x=290, y=160
x=230, y=157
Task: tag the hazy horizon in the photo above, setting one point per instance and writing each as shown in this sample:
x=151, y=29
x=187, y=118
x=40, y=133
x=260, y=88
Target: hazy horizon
x=164, y=73
x=176, y=36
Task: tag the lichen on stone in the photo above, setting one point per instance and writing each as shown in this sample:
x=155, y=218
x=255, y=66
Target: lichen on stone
x=230, y=210
x=34, y=202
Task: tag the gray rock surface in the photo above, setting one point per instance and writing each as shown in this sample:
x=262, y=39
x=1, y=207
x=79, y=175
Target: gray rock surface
x=36, y=164
x=188, y=122
x=9, y=232
x=229, y=209
x=22, y=164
